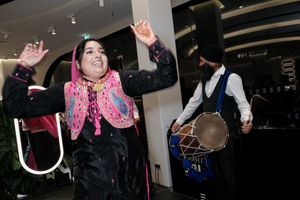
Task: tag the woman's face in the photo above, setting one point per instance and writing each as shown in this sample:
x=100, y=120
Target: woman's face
x=94, y=61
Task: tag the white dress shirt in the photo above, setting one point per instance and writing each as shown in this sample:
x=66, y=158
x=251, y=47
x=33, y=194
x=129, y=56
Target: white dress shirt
x=234, y=89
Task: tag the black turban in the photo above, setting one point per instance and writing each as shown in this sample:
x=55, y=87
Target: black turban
x=212, y=53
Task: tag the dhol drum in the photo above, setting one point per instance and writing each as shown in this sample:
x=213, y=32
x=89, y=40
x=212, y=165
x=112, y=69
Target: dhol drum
x=207, y=133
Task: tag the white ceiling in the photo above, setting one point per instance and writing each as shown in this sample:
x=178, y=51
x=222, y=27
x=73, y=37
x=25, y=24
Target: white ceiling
x=24, y=20
x=29, y=19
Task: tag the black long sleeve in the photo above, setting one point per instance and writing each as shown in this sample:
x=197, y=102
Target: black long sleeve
x=136, y=83
x=17, y=103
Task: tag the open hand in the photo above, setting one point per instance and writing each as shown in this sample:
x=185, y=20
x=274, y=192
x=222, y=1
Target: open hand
x=32, y=54
x=143, y=31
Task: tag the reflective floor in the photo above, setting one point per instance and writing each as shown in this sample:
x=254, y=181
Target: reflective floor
x=66, y=193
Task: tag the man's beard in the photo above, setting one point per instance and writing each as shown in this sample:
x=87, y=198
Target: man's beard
x=206, y=72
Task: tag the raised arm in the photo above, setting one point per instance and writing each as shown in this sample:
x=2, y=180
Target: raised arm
x=141, y=82
x=17, y=102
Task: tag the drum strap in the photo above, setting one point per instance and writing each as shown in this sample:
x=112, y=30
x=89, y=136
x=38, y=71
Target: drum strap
x=224, y=79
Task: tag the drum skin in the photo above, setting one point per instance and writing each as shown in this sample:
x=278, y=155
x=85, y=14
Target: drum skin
x=211, y=131
x=206, y=133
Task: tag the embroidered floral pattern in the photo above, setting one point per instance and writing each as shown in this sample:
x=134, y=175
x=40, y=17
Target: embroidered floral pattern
x=120, y=103
x=70, y=112
x=111, y=103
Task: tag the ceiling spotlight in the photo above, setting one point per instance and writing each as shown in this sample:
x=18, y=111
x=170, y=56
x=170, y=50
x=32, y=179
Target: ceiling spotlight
x=5, y=59
x=52, y=30
x=73, y=20
x=36, y=41
x=15, y=52
x=101, y=3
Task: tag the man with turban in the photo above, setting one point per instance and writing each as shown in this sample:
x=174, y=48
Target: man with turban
x=223, y=183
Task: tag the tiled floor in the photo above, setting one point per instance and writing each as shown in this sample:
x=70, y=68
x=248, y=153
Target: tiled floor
x=66, y=193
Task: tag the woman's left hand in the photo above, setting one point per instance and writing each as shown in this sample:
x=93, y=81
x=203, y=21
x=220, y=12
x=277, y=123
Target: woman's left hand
x=143, y=31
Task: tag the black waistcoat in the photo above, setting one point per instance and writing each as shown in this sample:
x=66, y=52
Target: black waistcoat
x=228, y=110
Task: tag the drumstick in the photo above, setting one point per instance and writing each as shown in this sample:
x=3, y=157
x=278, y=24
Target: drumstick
x=258, y=96
x=251, y=104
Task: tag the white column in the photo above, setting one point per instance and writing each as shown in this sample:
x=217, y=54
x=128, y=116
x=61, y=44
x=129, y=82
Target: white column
x=2, y=78
x=160, y=107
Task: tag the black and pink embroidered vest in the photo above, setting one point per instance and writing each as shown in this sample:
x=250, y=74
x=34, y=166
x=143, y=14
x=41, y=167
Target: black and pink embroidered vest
x=114, y=104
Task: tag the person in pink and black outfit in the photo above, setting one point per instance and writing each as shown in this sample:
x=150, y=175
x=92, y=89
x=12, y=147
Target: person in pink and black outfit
x=109, y=160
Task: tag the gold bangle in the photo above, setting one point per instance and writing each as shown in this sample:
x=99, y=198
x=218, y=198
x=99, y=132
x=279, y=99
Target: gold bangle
x=22, y=62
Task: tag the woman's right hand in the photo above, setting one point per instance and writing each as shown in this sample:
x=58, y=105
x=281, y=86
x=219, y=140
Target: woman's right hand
x=175, y=127
x=32, y=54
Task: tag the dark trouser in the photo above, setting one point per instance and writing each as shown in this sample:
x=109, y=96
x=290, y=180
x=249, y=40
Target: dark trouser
x=223, y=185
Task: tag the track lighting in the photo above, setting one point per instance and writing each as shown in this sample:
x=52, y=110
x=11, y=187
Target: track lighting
x=73, y=20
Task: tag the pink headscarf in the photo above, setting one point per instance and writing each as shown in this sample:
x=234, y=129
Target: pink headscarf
x=75, y=72
x=75, y=76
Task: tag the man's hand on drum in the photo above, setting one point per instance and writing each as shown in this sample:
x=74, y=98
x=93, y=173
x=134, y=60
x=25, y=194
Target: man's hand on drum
x=175, y=127
x=246, y=127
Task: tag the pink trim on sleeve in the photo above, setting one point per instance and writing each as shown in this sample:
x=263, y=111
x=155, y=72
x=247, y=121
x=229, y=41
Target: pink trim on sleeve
x=18, y=78
x=29, y=68
x=161, y=53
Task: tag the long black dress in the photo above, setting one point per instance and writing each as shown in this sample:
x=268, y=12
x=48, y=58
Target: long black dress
x=112, y=165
